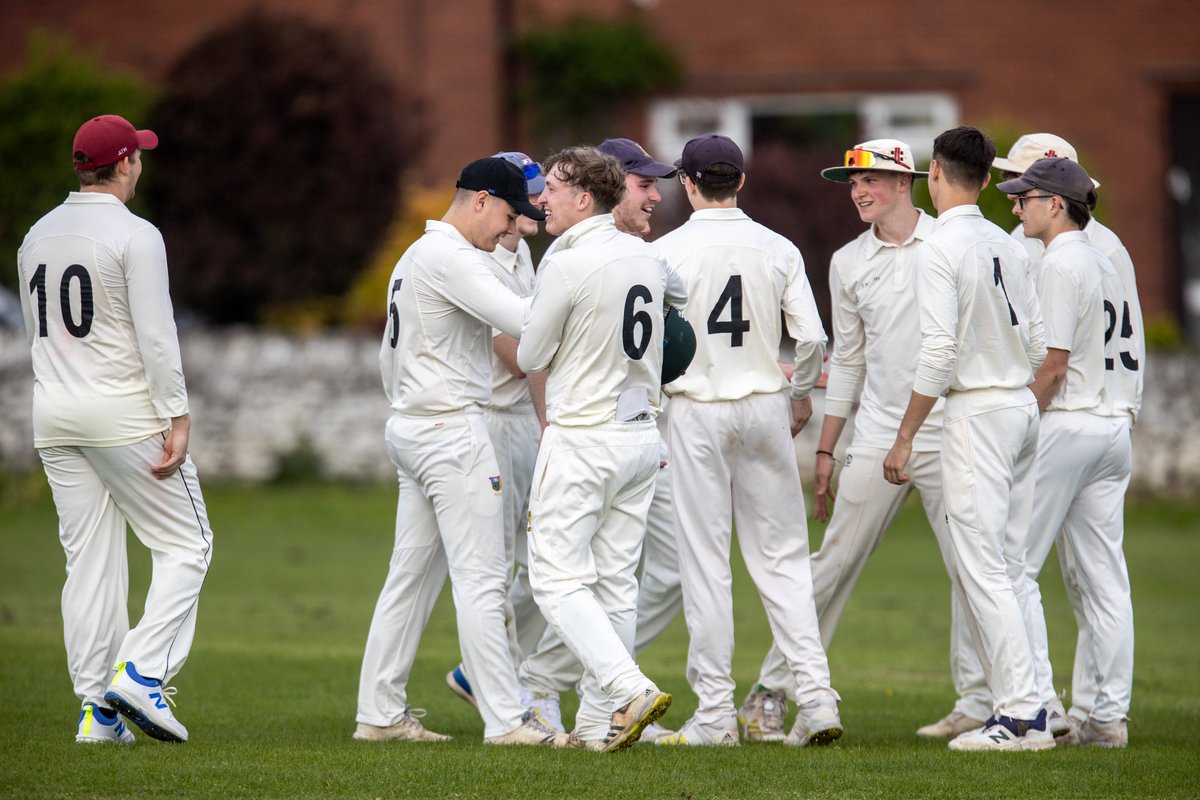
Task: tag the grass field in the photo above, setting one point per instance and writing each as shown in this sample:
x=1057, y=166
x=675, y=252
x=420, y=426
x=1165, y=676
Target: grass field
x=269, y=692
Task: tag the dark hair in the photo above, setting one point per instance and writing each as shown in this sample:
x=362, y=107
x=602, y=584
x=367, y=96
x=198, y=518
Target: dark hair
x=720, y=189
x=94, y=177
x=1078, y=212
x=596, y=173
x=965, y=155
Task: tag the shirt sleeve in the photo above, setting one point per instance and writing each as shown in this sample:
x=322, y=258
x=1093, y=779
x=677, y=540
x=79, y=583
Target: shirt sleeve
x=1035, y=351
x=1060, y=311
x=26, y=302
x=848, y=364
x=937, y=306
x=803, y=324
x=548, y=314
x=472, y=286
x=154, y=321
x=674, y=289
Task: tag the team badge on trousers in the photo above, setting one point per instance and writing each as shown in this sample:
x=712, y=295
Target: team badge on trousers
x=496, y=483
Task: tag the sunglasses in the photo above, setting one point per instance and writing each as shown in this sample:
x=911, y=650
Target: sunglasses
x=865, y=159
x=1021, y=198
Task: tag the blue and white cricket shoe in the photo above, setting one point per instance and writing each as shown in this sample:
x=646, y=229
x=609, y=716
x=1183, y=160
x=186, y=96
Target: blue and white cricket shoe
x=101, y=725
x=147, y=704
x=456, y=679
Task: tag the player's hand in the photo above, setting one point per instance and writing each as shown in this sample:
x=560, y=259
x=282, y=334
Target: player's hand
x=895, y=465
x=801, y=414
x=174, y=449
x=823, y=494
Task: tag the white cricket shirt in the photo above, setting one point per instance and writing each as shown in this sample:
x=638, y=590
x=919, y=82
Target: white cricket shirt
x=1068, y=286
x=94, y=290
x=443, y=301
x=877, y=338
x=739, y=276
x=515, y=270
x=596, y=322
x=1124, y=383
x=981, y=326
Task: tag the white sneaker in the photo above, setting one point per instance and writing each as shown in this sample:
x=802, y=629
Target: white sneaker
x=99, y=725
x=816, y=726
x=531, y=731
x=408, y=729
x=1056, y=718
x=653, y=732
x=1006, y=733
x=950, y=726
x=1114, y=734
x=146, y=702
x=693, y=733
x=545, y=706
x=761, y=715
x=628, y=722
x=575, y=743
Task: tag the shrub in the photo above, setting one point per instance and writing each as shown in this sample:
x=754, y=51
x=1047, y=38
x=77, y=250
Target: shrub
x=280, y=158
x=42, y=107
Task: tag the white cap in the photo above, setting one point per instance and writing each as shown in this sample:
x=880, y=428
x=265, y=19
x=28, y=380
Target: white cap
x=1034, y=146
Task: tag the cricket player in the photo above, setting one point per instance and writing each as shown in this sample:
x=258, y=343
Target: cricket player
x=514, y=417
x=969, y=673
x=552, y=668
x=733, y=417
x=596, y=324
x=876, y=334
x=111, y=426
x=981, y=340
x=443, y=302
x=1084, y=451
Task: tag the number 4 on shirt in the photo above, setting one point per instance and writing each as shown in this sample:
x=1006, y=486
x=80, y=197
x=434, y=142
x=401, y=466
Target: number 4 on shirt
x=737, y=326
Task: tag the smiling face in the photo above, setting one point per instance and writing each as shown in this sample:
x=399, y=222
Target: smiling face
x=877, y=194
x=632, y=215
x=494, y=219
x=563, y=203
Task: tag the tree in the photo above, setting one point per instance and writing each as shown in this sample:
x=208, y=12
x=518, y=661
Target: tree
x=279, y=163
x=42, y=107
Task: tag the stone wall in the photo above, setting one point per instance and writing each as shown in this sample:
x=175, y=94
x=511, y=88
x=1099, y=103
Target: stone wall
x=261, y=398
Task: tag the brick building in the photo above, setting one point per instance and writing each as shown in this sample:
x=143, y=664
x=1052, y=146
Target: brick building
x=1119, y=78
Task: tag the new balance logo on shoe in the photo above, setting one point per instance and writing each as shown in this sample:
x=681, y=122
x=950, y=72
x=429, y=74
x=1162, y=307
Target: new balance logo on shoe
x=158, y=700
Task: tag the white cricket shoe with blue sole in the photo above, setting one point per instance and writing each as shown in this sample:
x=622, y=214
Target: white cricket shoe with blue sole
x=99, y=725
x=147, y=704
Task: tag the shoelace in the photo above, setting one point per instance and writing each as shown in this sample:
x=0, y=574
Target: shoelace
x=168, y=693
x=415, y=714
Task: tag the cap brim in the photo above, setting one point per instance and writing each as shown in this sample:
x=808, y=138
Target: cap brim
x=842, y=174
x=527, y=209
x=653, y=169
x=1004, y=165
x=1015, y=186
x=147, y=140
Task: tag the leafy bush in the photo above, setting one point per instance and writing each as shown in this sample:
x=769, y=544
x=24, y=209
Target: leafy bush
x=578, y=72
x=280, y=158
x=42, y=107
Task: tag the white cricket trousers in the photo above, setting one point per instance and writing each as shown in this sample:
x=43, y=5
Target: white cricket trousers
x=734, y=463
x=515, y=432
x=1083, y=468
x=591, y=494
x=97, y=491
x=989, y=450
x=865, y=508
x=552, y=668
x=448, y=517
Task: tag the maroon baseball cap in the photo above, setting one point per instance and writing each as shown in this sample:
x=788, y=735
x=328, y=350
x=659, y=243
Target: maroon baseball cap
x=107, y=139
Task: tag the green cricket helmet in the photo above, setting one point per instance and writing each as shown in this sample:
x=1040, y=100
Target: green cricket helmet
x=679, y=345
